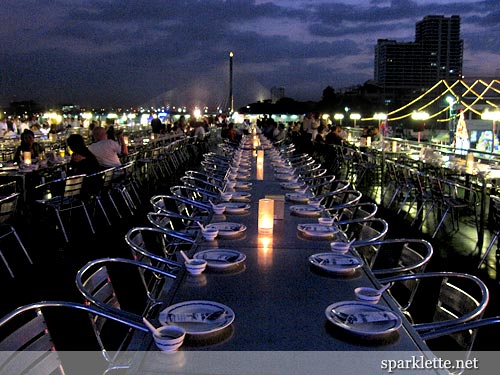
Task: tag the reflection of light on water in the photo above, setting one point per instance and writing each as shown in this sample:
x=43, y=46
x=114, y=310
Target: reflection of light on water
x=265, y=252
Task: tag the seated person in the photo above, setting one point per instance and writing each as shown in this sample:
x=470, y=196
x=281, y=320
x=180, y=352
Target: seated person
x=334, y=137
x=28, y=144
x=106, y=150
x=82, y=160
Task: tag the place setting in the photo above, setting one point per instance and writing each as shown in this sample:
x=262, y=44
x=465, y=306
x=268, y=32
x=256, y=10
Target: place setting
x=292, y=185
x=197, y=317
x=221, y=259
x=318, y=231
x=227, y=229
x=240, y=196
x=305, y=210
x=236, y=207
x=363, y=319
x=342, y=264
x=298, y=197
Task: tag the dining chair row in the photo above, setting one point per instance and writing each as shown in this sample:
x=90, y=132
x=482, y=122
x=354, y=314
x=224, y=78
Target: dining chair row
x=114, y=303
x=64, y=195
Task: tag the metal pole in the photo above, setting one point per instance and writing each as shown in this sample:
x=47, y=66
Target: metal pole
x=494, y=136
x=231, y=98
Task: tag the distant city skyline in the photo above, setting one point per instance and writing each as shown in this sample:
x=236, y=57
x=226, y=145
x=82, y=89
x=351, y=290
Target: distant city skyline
x=151, y=52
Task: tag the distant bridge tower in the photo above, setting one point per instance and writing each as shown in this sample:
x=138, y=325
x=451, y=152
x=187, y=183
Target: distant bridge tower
x=231, y=96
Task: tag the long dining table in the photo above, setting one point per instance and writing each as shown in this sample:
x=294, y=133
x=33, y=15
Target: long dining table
x=279, y=299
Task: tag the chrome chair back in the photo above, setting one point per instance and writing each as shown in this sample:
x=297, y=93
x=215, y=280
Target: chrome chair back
x=157, y=245
x=63, y=195
x=495, y=215
x=98, y=285
x=28, y=343
x=399, y=256
x=170, y=221
x=8, y=206
x=96, y=186
x=455, y=338
x=434, y=300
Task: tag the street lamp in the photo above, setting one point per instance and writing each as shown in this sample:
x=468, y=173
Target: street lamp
x=338, y=117
x=355, y=117
x=492, y=116
x=451, y=101
x=420, y=116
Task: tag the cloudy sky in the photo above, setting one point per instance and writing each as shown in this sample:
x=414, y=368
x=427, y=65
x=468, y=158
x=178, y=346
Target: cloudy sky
x=153, y=52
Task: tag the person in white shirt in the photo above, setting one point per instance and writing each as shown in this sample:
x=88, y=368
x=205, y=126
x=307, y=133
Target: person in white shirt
x=199, y=130
x=106, y=150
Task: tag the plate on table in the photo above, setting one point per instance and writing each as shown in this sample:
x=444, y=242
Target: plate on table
x=198, y=317
x=292, y=185
x=221, y=258
x=243, y=185
x=363, y=319
x=285, y=176
x=338, y=263
x=243, y=176
x=239, y=196
x=317, y=230
x=306, y=210
x=228, y=229
x=236, y=208
x=284, y=170
x=298, y=197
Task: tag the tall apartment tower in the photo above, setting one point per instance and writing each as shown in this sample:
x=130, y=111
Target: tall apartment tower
x=407, y=69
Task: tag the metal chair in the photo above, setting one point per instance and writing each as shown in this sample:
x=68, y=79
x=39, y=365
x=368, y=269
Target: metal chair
x=28, y=344
x=96, y=186
x=334, y=201
x=398, y=256
x=195, y=194
x=495, y=207
x=63, y=195
x=157, y=247
x=8, y=207
x=187, y=207
x=124, y=184
x=458, y=337
x=434, y=300
x=98, y=285
x=453, y=198
x=320, y=185
x=364, y=232
x=170, y=221
x=366, y=210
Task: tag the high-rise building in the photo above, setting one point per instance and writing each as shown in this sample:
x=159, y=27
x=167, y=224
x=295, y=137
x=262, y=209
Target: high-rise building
x=404, y=69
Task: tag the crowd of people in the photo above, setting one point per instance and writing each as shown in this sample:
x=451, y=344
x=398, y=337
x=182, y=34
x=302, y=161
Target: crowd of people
x=106, y=145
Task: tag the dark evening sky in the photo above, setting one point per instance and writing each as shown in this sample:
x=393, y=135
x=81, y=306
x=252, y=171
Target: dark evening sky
x=158, y=52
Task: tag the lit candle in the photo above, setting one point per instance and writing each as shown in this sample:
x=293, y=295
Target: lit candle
x=125, y=140
x=260, y=157
x=394, y=146
x=27, y=157
x=266, y=216
x=368, y=141
x=260, y=172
